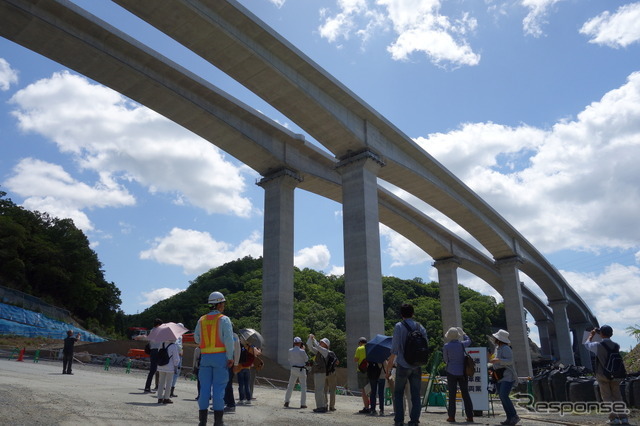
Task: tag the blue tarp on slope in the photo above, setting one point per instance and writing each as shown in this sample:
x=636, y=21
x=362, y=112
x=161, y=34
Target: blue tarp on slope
x=21, y=322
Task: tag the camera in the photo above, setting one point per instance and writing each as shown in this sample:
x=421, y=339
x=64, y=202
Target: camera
x=597, y=330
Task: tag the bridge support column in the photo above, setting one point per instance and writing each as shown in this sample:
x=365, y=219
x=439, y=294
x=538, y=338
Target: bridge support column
x=362, y=264
x=277, y=263
x=578, y=348
x=561, y=322
x=449, y=293
x=545, y=342
x=514, y=310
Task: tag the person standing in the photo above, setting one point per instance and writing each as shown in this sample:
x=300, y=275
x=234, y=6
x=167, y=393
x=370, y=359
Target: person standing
x=167, y=371
x=453, y=355
x=229, y=398
x=214, y=335
x=179, y=369
x=153, y=358
x=297, y=361
x=405, y=372
x=609, y=388
x=363, y=379
x=331, y=381
x=247, y=356
x=319, y=370
x=502, y=360
x=376, y=372
x=67, y=351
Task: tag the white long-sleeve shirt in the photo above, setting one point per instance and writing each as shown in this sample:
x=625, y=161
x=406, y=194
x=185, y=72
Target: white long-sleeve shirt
x=297, y=357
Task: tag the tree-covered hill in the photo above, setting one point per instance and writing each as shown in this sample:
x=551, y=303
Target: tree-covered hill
x=319, y=304
x=51, y=259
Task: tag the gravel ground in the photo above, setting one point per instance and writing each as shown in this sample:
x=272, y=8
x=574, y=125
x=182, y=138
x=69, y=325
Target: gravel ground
x=38, y=394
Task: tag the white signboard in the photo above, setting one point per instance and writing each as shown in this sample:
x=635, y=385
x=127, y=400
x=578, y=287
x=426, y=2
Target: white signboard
x=479, y=382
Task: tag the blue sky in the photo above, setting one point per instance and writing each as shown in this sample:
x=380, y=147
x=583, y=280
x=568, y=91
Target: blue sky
x=534, y=104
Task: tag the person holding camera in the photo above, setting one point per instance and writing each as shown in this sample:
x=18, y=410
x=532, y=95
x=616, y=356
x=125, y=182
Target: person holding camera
x=502, y=361
x=608, y=383
x=298, y=359
x=67, y=351
x=319, y=370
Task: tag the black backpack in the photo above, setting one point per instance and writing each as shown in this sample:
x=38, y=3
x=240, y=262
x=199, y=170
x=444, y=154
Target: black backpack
x=332, y=360
x=163, y=355
x=373, y=370
x=416, y=347
x=613, y=368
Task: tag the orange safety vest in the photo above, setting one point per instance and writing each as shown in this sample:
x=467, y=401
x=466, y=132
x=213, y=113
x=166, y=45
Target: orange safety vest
x=210, y=341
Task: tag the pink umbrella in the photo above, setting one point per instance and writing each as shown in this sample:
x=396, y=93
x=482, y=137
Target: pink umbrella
x=167, y=331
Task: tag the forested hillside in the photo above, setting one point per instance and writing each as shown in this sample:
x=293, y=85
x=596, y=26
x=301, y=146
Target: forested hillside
x=51, y=259
x=319, y=304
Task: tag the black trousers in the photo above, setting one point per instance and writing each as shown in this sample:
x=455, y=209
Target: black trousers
x=452, y=385
x=152, y=368
x=67, y=360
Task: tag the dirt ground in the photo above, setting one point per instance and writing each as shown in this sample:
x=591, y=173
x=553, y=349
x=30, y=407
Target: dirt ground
x=38, y=394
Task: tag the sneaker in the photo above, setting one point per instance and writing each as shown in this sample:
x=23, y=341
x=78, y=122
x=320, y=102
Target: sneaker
x=615, y=421
x=364, y=411
x=229, y=409
x=304, y=406
x=320, y=410
x=372, y=413
x=332, y=408
x=286, y=405
x=168, y=401
x=381, y=413
x=147, y=391
x=515, y=420
x=625, y=421
x=451, y=420
x=247, y=402
x=506, y=422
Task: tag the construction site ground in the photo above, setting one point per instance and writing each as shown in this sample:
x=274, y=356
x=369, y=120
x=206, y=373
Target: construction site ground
x=36, y=393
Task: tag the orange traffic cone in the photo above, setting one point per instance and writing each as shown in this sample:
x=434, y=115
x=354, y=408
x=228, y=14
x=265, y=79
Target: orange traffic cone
x=21, y=355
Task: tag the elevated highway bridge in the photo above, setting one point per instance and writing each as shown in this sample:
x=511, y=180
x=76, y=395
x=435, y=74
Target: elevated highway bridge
x=365, y=148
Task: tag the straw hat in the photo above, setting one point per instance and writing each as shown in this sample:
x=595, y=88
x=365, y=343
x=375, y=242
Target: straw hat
x=503, y=336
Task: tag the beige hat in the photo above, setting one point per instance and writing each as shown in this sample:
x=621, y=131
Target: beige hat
x=503, y=336
x=452, y=334
x=326, y=342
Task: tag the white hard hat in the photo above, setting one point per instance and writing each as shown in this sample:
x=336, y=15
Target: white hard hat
x=216, y=297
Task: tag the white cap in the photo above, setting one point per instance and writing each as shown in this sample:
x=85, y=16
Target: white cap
x=325, y=341
x=297, y=340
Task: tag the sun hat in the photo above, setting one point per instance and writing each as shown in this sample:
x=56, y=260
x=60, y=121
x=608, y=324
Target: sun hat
x=452, y=334
x=297, y=340
x=503, y=336
x=325, y=341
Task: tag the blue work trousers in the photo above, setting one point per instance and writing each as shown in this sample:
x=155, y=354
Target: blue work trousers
x=414, y=377
x=213, y=377
x=377, y=388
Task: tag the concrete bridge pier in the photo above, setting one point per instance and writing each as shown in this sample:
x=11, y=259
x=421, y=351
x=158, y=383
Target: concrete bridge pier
x=362, y=264
x=514, y=310
x=561, y=322
x=545, y=340
x=277, y=263
x=583, y=353
x=449, y=293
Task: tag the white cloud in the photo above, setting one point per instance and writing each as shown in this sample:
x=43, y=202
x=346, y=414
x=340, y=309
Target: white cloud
x=316, y=257
x=402, y=251
x=197, y=252
x=49, y=188
x=159, y=294
x=120, y=140
x=418, y=24
x=574, y=186
x=619, y=29
x=538, y=10
x=8, y=75
x=336, y=270
x=637, y=256
x=278, y=3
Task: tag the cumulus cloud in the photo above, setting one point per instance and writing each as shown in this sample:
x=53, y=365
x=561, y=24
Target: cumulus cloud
x=8, y=75
x=619, y=29
x=418, y=25
x=123, y=141
x=316, y=257
x=573, y=186
x=49, y=188
x=154, y=296
x=197, y=252
x=535, y=19
x=402, y=251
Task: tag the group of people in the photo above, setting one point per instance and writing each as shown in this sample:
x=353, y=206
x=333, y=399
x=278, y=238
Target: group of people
x=221, y=354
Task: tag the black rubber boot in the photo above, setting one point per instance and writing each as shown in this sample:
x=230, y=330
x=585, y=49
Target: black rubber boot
x=202, y=416
x=172, y=394
x=217, y=418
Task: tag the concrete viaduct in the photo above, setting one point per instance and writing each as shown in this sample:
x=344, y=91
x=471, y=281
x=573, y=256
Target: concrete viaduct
x=365, y=149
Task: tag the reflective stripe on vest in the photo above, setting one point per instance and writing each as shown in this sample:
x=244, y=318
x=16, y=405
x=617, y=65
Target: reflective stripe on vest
x=210, y=341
